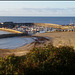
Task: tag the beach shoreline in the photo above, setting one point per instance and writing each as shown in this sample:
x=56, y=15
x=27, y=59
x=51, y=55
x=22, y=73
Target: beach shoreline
x=22, y=50
x=56, y=38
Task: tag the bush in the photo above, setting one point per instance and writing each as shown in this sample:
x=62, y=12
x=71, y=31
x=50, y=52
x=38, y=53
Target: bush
x=45, y=61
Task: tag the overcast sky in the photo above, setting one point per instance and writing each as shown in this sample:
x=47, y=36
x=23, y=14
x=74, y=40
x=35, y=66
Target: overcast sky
x=37, y=8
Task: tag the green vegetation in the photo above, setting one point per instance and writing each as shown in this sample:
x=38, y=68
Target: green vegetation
x=41, y=61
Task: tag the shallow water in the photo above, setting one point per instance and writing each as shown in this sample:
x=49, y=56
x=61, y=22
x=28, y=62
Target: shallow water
x=14, y=42
x=4, y=32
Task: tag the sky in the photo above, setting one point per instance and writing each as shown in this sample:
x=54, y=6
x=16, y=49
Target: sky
x=37, y=8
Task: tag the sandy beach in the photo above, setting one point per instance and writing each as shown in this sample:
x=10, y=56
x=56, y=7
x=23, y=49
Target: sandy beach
x=60, y=38
x=56, y=38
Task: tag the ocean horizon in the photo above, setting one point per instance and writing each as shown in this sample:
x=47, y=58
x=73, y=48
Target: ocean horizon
x=39, y=19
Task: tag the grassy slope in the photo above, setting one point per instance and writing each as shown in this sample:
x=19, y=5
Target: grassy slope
x=53, y=25
x=10, y=30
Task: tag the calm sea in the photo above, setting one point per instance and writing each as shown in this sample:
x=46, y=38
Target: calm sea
x=4, y=32
x=14, y=42
x=54, y=20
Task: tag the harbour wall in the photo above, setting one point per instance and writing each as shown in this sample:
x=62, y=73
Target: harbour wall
x=13, y=35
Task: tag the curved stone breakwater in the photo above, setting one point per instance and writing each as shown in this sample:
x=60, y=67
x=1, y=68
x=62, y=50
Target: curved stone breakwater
x=13, y=35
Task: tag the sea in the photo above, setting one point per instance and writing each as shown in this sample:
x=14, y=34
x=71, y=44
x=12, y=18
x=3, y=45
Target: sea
x=25, y=19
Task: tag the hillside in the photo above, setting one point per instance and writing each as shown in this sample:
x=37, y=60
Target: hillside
x=54, y=25
x=10, y=30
